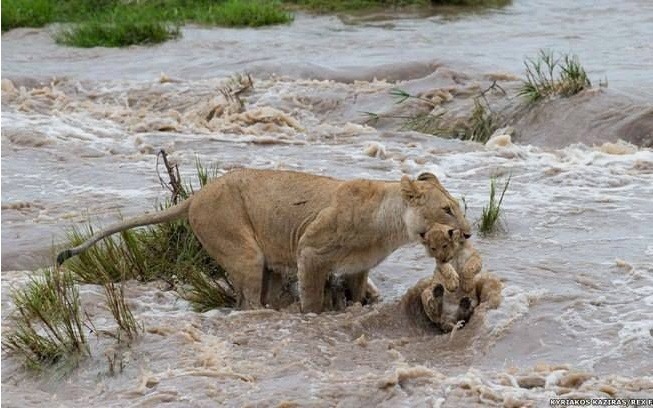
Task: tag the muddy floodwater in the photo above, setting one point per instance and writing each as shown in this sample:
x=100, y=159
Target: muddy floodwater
x=80, y=132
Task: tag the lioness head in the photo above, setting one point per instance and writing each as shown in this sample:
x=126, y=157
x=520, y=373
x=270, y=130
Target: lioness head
x=442, y=242
x=430, y=203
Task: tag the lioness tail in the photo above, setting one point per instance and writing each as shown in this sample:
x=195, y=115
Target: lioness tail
x=173, y=213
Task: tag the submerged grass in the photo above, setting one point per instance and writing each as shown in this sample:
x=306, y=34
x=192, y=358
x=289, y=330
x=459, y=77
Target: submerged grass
x=477, y=126
x=491, y=213
x=548, y=75
x=48, y=327
x=121, y=312
x=48, y=324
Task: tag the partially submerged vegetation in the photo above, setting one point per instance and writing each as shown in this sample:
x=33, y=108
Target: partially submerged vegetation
x=550, y=75
x=168, y=251
x=477, y=126
x=117, y=23
x=49, y=325
x=491, y=213
x=547, y=76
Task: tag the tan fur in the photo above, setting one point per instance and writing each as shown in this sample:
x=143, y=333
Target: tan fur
x=445, y=308
x=310, y=226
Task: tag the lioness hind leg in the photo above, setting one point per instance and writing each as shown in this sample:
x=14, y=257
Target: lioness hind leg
x=246, y=275
x=244, y=263
x=219, y=220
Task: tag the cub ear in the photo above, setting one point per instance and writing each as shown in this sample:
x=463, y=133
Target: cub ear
x=409, y=190
x=428, y=177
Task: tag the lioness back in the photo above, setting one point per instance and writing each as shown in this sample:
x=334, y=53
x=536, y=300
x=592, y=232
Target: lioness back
x=279, y=205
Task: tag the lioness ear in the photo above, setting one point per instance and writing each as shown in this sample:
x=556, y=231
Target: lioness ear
x=409, y=191
x=428, y=177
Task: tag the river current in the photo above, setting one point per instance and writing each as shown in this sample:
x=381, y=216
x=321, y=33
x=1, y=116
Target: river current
x=81, y=128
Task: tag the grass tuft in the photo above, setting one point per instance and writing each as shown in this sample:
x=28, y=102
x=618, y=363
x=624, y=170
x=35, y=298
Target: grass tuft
x=204, y=291
x=119, y=27
x=48, y=325
x=121, y=312
x=478, y=126
x=26, y=13
x=111, y=260
x=548, y=75
x=491, y=213
x=236, y=13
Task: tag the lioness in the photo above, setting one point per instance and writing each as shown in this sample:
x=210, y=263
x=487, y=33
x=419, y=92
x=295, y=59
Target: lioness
x=298, y=223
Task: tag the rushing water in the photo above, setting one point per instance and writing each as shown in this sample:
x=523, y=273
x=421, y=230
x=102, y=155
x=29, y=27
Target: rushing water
x=575, y=258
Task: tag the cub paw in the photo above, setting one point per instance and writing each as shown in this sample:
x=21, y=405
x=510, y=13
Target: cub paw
x=450, y=277
x=432, y=303
x=467, y=284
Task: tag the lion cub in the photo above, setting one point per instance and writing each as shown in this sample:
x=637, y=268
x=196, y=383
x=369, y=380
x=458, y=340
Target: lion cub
x=458, y=265
x=457, y=261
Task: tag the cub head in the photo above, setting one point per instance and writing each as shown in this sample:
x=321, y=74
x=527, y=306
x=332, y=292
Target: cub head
x=442, y=242
x=430, y=203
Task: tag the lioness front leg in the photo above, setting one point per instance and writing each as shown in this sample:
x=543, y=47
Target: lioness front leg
x=312, y=274
x=372, y=293
x=450, y=277
x=471, y=268
x=355, y=286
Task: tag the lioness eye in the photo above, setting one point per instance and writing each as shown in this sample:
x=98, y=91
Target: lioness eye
x=448, y=210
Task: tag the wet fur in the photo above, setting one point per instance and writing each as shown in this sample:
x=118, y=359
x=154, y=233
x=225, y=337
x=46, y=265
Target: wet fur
x=429, y=305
